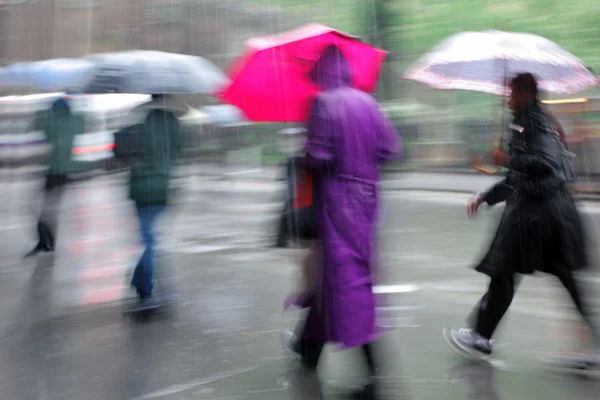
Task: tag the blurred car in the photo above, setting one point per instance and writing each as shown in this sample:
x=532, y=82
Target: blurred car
x=208, y=129
x=22, y=141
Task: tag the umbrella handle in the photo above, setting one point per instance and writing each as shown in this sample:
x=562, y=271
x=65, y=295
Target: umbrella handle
x=482, y=170
x=495, y=169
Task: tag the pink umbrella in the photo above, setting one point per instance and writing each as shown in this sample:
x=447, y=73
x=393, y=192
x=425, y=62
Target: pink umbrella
x=271, y=83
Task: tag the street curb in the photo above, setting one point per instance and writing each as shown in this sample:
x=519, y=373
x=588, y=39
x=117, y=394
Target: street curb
x=9, y=176
x=582, y=197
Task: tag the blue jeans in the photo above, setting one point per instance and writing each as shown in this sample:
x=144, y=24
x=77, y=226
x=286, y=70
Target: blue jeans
x=142, y=277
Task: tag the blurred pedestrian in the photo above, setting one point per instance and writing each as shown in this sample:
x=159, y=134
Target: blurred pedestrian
x=348, y=137
x=540, y=229
x=60, y=127
x=297, y=225
x=151, y=161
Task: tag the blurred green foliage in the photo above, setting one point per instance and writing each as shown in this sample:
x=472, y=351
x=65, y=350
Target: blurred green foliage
x=410, y=28
x=415, y=26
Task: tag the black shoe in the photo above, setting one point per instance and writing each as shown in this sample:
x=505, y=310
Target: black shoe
x=291, y=343
x=39, y=249
x=366, y=392
x=308, y=351
x=303, y=385
x=143, y=305
x=469, y=343
x=574, y=363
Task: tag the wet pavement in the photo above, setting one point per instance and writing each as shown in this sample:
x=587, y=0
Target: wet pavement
x=63, y=335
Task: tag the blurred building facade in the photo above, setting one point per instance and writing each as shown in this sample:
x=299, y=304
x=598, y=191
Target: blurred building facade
x=41, y=29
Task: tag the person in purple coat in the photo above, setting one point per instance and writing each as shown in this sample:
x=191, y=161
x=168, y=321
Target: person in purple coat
x=348, y=137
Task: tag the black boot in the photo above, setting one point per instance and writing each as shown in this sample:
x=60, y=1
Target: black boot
x=365, y=393
x=39, y=248
x=45, y=243
x=368, y=392
x=310, y=351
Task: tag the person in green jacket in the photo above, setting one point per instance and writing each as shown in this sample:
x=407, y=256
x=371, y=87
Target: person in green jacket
x=156, y=150
x=60, y=128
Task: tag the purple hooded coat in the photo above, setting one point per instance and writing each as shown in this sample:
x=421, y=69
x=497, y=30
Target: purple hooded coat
x=348, y=137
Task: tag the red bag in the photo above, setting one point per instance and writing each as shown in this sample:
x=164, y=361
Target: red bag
x=303, y=190
x=297, y=220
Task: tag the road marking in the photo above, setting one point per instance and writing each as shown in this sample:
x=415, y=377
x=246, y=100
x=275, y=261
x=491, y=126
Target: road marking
x=174, y=389
x=261, y=332
x=243, y=172
x=388, y=289
x=399, y=308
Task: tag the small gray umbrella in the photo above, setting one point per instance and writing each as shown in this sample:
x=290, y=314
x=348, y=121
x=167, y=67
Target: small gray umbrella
x=153, y=72
x=55, y=75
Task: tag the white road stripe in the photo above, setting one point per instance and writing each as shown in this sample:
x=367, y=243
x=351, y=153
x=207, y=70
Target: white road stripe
x=388, y=289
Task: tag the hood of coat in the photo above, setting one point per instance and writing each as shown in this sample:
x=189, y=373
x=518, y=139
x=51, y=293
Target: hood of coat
x=332, y=70
x=61, y=106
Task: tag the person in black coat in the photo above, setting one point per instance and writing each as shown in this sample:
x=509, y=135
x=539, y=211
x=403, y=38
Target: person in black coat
x=540, y=229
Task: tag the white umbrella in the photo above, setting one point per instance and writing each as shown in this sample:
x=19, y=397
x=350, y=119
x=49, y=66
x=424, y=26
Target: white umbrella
x=483, y=61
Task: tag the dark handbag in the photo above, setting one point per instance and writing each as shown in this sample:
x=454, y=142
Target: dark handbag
x=297, y=221
x=127, y=142
x=566, y=160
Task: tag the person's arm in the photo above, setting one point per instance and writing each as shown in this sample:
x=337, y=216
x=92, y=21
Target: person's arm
x=389, y=142
x=320, y=145
x=175, y=138
x=497, y=193
x=49, y=128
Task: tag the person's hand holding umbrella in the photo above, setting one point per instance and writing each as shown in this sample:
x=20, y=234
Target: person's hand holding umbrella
x=499, y=157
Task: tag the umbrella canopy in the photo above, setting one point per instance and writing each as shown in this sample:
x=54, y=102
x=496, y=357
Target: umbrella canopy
x=55, y=75
x=153, y=72
x=271, y=82
x=482, y=61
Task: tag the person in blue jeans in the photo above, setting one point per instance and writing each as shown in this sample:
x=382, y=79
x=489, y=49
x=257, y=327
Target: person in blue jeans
x=143, y=275
x=152, y=149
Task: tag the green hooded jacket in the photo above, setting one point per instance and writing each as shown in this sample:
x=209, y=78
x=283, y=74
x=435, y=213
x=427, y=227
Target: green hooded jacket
x=60, y=129
x=156, y=149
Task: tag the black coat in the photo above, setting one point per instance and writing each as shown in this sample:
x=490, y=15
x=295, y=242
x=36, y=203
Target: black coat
x=540, y=229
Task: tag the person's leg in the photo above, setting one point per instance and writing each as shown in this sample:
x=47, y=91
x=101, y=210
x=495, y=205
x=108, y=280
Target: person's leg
x=139, y=279
x=282, y=233
x=369, y=353
x=577, y=362
x=472, y=319
x=47, y=223
x=495, y=304
x=143, y=274
x=310, y=351
x=310, y=344
x=577, y=295
x=52, y=205
x=490, y=311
